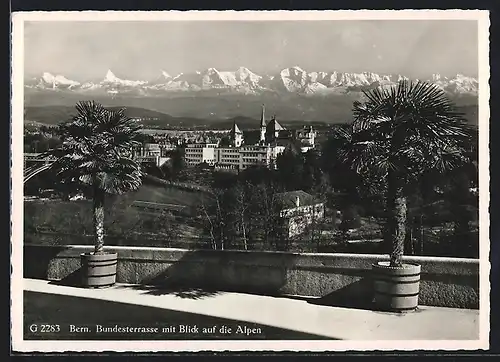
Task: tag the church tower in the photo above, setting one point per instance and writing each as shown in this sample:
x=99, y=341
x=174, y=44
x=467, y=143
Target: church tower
x=263, y=125
x=236, y=135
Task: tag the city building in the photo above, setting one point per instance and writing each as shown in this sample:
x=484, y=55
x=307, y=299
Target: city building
x=306, y=137
x=227, y=158
x=236, y=154
x=275, y=133
x=197, y=153
x=298, y=210
x=151, y=149
x=153, y=153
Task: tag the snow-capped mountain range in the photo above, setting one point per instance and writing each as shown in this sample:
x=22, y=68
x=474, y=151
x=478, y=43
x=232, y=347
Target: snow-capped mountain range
x=243, y=80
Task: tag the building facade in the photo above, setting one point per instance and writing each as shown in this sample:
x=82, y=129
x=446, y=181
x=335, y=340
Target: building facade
x=237, y=155
x=227, y=158
x=153, y=153
x=307, y=138
x=299, y=210
x=196, y=153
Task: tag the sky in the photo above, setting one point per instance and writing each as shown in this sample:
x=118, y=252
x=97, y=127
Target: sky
x=140, y=50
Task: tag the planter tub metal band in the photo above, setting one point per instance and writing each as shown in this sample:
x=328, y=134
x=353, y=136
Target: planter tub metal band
x=99, y=271
x=396, y=288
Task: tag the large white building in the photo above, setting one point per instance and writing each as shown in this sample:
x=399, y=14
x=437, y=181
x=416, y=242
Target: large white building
x=197, y=153
x=237, y=155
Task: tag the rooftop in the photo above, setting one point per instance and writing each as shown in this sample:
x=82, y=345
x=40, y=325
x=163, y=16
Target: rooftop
x=274, y=125
x=289, y=198
x=235, y=129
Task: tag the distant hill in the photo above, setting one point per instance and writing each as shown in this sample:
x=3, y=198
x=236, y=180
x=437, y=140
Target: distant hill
x=330, y=109
x=470, y=113
x=51, y=115
x=341, y=113
x=58, y=113
x=55, y=114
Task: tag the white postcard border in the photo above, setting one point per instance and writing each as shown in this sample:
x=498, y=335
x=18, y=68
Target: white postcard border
x=19, y=345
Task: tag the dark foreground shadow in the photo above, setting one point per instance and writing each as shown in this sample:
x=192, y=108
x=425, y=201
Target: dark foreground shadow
x=76, y=318
x=177, y=290
x=37, y=259
x=73, y=279
x=201, y=274
x=206, y=273
x=346, y=297
x=171, y=282
x=357, y=295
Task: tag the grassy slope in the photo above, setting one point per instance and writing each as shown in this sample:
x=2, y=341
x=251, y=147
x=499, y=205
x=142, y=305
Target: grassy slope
x=167, y=195
x=47, y=217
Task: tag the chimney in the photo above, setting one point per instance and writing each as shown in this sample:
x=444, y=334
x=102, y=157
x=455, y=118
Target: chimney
x=297, y=201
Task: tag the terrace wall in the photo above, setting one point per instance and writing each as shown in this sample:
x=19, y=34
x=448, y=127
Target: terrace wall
x=335, y=279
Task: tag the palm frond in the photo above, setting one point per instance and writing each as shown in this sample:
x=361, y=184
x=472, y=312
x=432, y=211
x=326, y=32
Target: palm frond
x=409, y=128
x=94, y=144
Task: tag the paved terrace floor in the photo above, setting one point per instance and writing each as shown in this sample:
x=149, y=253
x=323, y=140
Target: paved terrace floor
x=248, y=316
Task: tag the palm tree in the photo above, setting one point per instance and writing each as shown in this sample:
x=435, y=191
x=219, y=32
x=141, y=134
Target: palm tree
x=397, y=135
x=96, y=154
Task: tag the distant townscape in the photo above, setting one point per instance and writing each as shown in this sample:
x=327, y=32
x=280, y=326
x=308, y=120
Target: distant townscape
x=238, y=151
x=231, y=150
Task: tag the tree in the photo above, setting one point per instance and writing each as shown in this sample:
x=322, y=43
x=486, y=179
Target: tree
x=143, y=138
x=96, y=155
x=342, y=177
x=290, y=165
x=256, y=175
x=178, y=162
x=350, y=220
x=239, y=203
x=265, y=210
x=313, y=179
x=396, y=136
x=215, y=216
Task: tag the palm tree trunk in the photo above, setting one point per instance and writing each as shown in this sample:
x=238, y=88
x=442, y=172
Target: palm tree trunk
x=98, y=205
x=396, y=220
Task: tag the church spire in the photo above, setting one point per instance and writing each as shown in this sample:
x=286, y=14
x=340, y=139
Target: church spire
x=263, y=117
x=263, y=125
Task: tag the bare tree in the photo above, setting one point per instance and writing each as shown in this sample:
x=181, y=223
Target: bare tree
x=265, y=210
x=241, y=210
x=213, y=214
